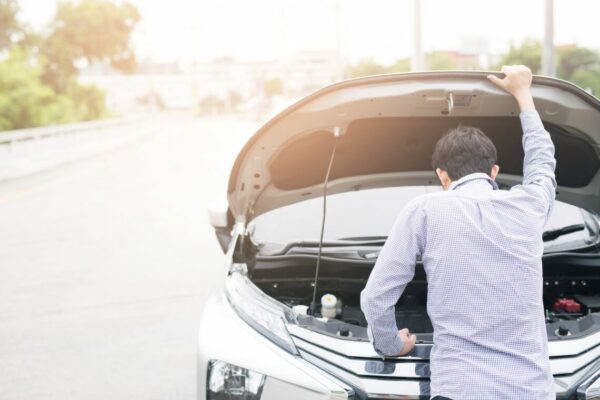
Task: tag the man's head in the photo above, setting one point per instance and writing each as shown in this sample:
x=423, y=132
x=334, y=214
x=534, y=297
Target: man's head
x=462, y=151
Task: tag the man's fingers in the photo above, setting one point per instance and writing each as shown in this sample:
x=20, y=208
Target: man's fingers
x=517, y=81
x=494, y=79
x=409, y=345
x=412, y=340
x=522, y=68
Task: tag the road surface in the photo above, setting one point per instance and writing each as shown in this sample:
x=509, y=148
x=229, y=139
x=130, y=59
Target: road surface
x=104, y=264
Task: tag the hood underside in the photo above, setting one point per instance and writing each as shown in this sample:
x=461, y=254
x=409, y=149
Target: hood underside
x=388, y=126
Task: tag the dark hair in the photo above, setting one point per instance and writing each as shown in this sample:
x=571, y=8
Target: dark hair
x=464, y=150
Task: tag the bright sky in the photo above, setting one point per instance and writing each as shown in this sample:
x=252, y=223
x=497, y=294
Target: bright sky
x=183, y=30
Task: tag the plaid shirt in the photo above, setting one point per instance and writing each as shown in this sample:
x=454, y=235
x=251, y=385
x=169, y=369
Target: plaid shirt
x=481, y=250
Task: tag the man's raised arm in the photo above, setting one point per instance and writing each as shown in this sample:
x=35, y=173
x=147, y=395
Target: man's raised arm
x=539, y=162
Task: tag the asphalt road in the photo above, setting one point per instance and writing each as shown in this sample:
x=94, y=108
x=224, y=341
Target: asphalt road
x=104, y=264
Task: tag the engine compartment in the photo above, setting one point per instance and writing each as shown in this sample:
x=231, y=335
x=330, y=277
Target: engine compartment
x=571, y=292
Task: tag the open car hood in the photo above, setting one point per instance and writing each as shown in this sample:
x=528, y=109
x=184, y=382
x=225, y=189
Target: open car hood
x=388, y=126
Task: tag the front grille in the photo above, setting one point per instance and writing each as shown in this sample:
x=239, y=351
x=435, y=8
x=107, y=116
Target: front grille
x=359, y=366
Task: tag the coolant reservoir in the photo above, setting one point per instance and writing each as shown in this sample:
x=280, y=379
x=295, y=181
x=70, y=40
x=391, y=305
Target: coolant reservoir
x=329, y=306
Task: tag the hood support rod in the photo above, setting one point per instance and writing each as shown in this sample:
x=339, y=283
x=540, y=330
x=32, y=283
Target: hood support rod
x=313, y=303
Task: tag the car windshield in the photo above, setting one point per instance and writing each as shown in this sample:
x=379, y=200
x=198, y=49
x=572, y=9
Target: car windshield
x=371, y=213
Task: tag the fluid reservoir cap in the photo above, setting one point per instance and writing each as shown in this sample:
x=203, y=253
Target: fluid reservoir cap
x=563, y=331
x=328, y=300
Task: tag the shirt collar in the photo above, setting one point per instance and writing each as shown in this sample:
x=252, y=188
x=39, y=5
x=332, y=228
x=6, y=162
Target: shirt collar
x=475, y=177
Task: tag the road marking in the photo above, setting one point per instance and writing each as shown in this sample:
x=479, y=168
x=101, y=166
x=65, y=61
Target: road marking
x=41, y=185
x=64, y=172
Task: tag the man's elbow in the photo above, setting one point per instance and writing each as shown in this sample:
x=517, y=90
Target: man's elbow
x=366, y=302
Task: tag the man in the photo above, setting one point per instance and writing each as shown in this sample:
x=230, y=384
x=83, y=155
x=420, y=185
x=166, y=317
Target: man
x=481, y=249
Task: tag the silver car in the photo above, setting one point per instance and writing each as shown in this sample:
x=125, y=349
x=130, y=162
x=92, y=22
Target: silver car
x=279, y=329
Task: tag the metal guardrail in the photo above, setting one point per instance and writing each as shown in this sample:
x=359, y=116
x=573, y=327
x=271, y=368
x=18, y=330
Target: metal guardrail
x=9, y=137
x=27, y=151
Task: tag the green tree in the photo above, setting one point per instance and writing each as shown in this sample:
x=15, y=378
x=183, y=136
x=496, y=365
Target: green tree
x=581, y=66
x=273, y=87
x=588, y=79
x=89, y=101
x=572, y=58
x=24, y=100
x=529, y=53
x=86, y=32
x=9, y=26
x=369, y=67
x=401, y=65
x=578, y=65
x=441, y=61
x=38, y=86
x=366, y=67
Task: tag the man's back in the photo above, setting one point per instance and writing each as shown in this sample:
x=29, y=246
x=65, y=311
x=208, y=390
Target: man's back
x=483, y=263
x=481, y=249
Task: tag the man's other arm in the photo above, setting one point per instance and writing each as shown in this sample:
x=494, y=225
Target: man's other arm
x=394, y=269
x=539, y=163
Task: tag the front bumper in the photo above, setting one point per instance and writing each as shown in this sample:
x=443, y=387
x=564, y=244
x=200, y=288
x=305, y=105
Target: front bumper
x=224, y=336
x=338, y=369
x=572, y=363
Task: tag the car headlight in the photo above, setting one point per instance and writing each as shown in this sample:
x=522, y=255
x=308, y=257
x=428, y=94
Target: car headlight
x=258, y=310
x=230, y=382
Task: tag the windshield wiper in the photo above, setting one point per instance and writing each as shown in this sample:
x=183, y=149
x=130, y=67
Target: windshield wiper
x=555, y=233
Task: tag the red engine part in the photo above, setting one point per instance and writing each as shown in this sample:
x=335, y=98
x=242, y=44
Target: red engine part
x=568, y=305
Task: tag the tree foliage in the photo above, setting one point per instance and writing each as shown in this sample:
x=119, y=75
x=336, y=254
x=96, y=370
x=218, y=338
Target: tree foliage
x=368, y=67
x=9, y=26
x=273, y=87
x=89, y=101
x=24, y=100
x=575, y=64
x=588, y=79
x=572, y=59
x=86, y=32
x=401, y=65
x=441, y=61
x=529, y=53
x=38, y=84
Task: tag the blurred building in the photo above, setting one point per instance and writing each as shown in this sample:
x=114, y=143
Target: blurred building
x=223, y=78
x=478, y=47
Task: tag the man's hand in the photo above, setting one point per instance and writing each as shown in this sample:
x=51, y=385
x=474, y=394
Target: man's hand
x=517, y=81
x=408, y=340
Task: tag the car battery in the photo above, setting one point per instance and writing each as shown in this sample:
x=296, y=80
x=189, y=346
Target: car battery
x=566, y=305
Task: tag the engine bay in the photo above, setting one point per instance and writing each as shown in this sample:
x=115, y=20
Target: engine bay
x=571, y=294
